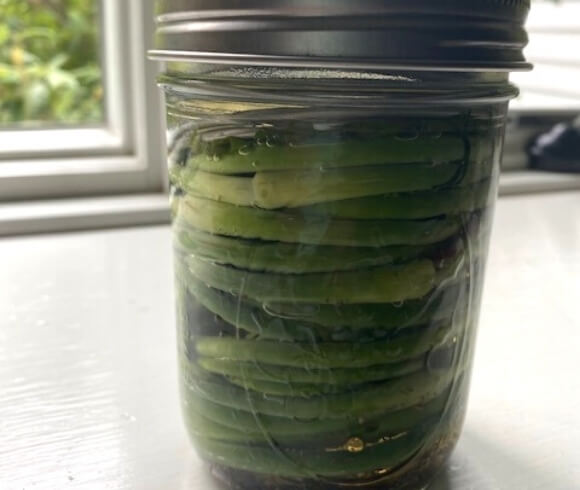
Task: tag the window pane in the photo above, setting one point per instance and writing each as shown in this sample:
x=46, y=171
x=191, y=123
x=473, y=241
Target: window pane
x=554, y=29
x=50, y=71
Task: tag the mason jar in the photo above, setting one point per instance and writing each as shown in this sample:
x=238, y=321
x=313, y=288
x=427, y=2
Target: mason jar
x=333, y=169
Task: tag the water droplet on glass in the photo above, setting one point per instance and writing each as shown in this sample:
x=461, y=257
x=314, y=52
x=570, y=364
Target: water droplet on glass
x=244, y=151
x=129, y=417
x=398, y=304
x=440, y=358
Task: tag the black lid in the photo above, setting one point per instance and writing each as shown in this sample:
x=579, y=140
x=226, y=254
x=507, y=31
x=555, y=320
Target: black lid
x=475, y=35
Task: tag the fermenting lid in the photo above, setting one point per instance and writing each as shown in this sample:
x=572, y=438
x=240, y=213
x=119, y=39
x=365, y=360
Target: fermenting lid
x=464, y=35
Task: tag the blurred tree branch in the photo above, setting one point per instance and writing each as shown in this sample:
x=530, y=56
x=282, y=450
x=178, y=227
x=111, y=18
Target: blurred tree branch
x=49, y=62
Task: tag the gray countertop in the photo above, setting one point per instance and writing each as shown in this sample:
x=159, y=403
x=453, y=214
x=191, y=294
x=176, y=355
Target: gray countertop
x=88, y=382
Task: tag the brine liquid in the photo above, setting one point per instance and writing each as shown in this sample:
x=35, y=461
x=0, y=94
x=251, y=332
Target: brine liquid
x=329, y=274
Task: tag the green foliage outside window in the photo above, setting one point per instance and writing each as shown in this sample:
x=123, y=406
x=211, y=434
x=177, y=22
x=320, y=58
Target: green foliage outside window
x=49, y=62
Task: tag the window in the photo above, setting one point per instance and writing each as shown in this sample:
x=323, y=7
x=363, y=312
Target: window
x=554, y=31
x=550, y=94
x=80, y=113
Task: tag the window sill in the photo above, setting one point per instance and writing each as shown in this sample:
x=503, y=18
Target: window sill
x=86, y=213
x=535, y=181
x=18, y=218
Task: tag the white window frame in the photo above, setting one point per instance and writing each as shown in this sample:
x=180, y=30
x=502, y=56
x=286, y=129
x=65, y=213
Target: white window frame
x=542, y=26
x=126, y=155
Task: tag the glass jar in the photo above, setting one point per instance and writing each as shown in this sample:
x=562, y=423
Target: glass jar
x=331, y=226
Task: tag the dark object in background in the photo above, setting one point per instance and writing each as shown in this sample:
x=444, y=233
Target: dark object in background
x=557, y=150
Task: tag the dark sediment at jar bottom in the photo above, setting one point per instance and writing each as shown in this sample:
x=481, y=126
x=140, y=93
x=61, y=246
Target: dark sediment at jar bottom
x=414, y=475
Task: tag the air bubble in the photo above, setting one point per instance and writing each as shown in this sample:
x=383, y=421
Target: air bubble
x=408, y=136
x=355, y=445
x=325, y=126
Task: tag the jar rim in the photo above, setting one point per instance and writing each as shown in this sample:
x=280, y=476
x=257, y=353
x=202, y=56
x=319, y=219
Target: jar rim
x=291, y=87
